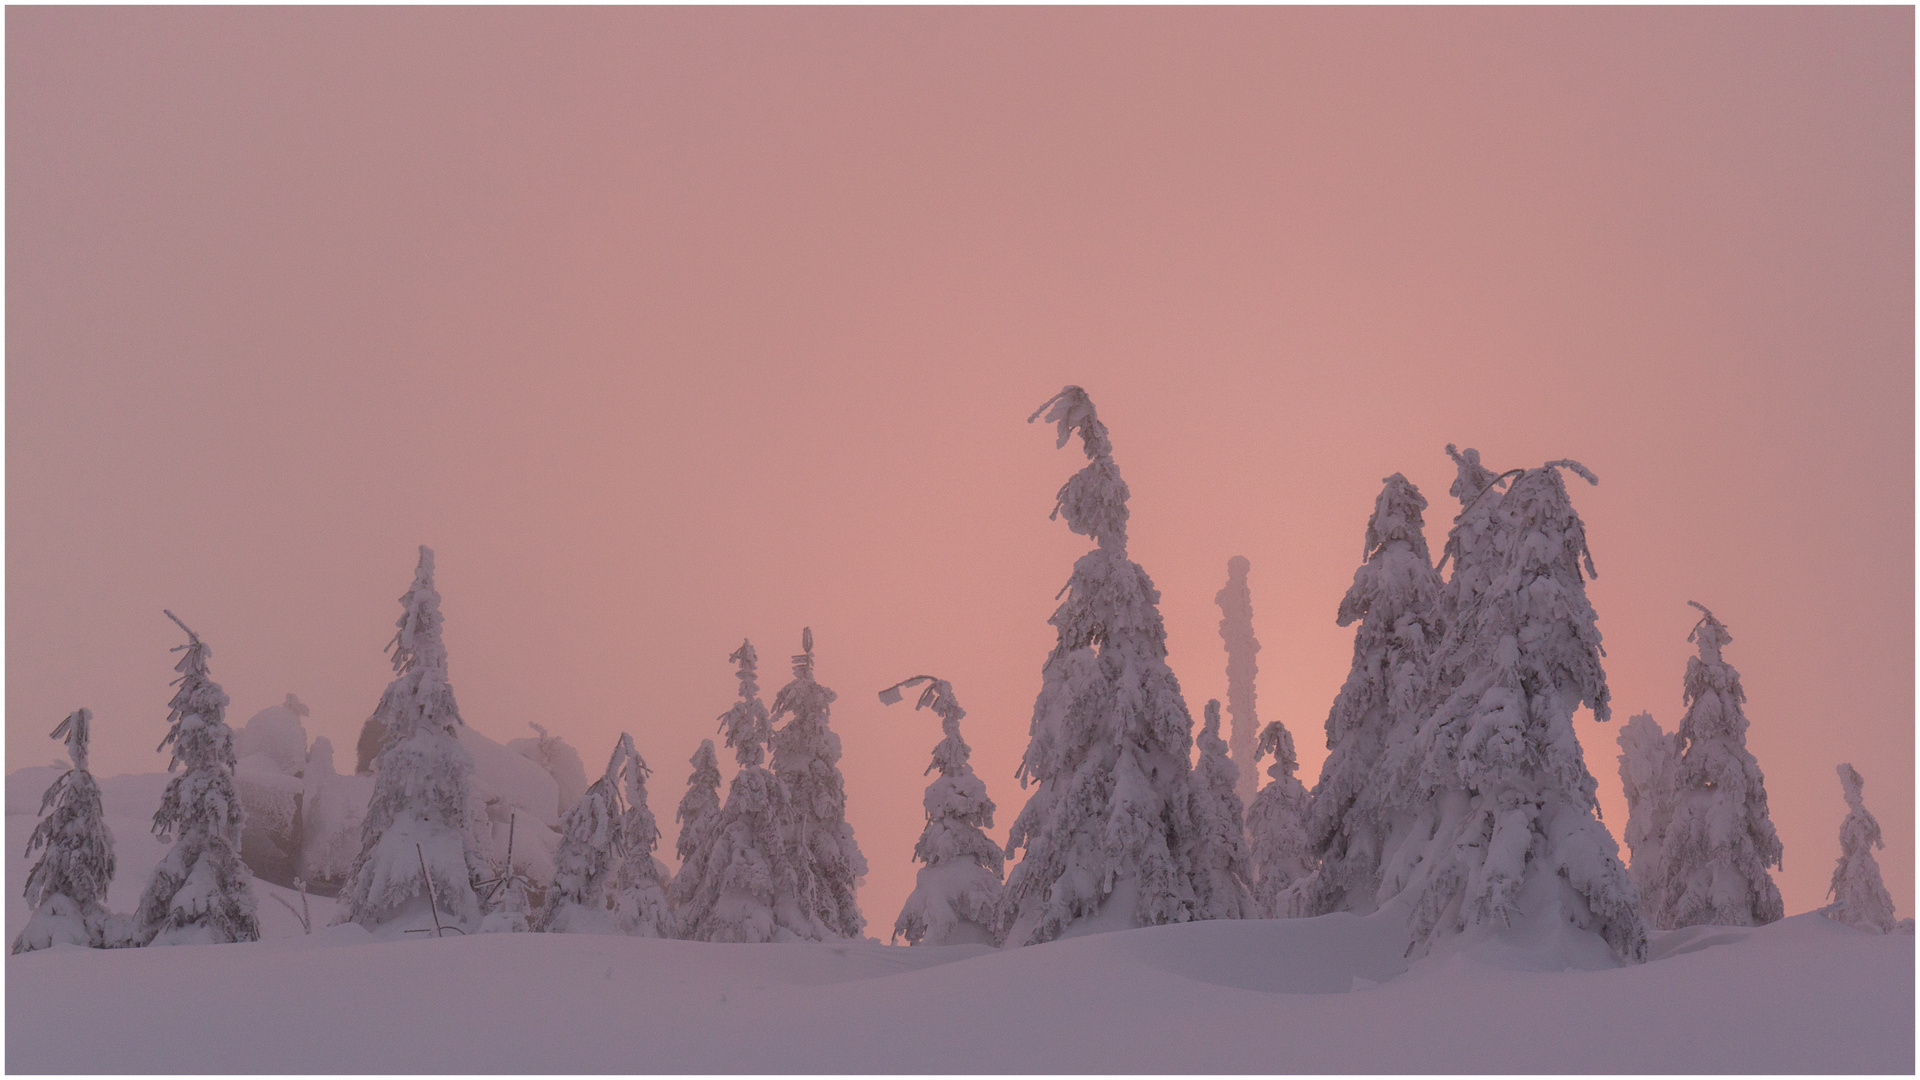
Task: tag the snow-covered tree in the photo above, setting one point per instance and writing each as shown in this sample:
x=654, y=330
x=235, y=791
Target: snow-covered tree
x=827, y=863
x=1396, y=598
x=1223, y=867
x=419, y=810
x=604, y=878
x=1859, y=896
x=1506, y=830
x=1283, y=860
x=67, y=887
x=199, y=891
x=956, y=894
x=1108, y=834
x=1236, y=630
x=1715, y=852
x=730, y=889
x=699, y=818
x=1649, y=767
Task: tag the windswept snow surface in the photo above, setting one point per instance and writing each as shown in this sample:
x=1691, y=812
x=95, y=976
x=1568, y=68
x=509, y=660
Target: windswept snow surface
x=1329, y=994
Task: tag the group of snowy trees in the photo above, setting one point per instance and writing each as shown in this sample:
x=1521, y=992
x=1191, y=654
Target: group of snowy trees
x=1454, y=794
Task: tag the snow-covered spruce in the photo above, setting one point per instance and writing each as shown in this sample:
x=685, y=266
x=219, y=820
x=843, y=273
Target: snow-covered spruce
x=422, y=780
x=742, y=887
x=604, y=879
x=1649, y=768
x=1716, y=850
x=827, y=865
x=956, y=894
x=199, y=892
x=1506, y=829
x=1283, y=860
x=1396, y=598
x=1859, y=896
x=1108, y=835
x=699, y=817
x=1236, y=630
x=67, y=888
x=1223, y=878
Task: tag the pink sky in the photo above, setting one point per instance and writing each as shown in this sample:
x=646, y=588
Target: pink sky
x=666, y=327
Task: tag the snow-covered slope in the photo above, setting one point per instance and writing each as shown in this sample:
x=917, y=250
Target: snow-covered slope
x=1301, y=995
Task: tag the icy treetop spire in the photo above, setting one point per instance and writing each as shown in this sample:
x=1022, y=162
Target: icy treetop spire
x=75, y=729
x=938, y=696
x=803, y=660
x=1275, y=739
x=1709, y=633
x=1472, y=477
x=198, y=695
x=1397, y=516
x=418, y=640
x=1850, y=784
x=1094, y=500
x=746, y=725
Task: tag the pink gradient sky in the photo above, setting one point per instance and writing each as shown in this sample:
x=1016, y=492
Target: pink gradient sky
x=666, y=327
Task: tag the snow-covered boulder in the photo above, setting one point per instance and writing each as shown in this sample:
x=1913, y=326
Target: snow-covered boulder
x=505, y=786
x=277, y=732
x=561, y=761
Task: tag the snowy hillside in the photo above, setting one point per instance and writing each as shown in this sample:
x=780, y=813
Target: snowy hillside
x=1298, y=995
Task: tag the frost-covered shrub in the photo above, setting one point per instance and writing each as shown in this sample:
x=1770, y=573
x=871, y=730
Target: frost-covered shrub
x=1859, y=896
x=67, y=887
x=1505, y=829
x=1108, y=834
x=956, y=893
x=827, y=865
x=422, y=777
x=1396, y=599
x=1716, y=850
x=199, y=891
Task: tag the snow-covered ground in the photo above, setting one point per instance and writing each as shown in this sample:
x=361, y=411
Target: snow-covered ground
x=1301, y=995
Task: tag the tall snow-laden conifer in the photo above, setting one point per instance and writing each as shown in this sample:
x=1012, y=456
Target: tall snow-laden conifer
x=200, y=892
x=640, y=905
x=1859, y=896
x=603, y=878
x=67, y=888
x=743, y=888
x=1236, y=630
x=422, y=779
x=1396, y=598
x=1649, y=764
x=1506, y=829
x=956, y=894
x=1283, y=859
x=699, y=818
x=1109, y=834
x=1223, y=872
x=1716, y=850
x=827, y=863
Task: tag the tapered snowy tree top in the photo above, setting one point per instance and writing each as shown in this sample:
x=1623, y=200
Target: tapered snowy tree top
x=67, y=887
x=1236, y=629
x=1716, y=850
x=1396, y=597
x=1109, y=834
x=1859, y=896
x=827, y=862
x=199, y=892
x=1224, y=872
x=421, y=789
x=1507, y=834
x=1649, y=776
x=957, y=892
x=700, y=806
x=747, y=726
x=1283, y=859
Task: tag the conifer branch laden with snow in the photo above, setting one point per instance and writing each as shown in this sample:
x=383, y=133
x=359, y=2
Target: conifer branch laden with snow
x=1716, y=851
x=1396, y=597
x=1236, y=630
x=422, y=782
x=957, y=891
x=1859, y=895
x=67, y=887
x=1223, y=879
x=1506, y=831
x=200, y=891
x=827, y=864
x=1110, y=828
